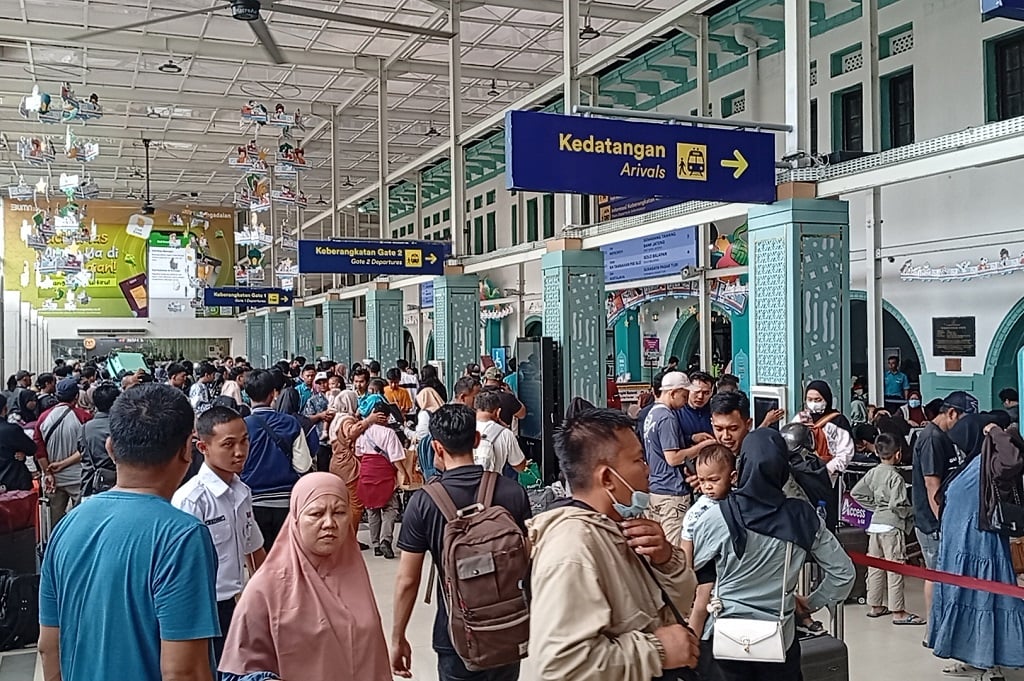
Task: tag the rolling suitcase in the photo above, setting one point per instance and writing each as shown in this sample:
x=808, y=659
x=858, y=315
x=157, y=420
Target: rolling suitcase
x=824, y=658
x=45, y=528
x=856, y=540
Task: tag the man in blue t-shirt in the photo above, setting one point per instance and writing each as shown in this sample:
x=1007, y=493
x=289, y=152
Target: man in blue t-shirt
x=128, y=588
x=664, y=450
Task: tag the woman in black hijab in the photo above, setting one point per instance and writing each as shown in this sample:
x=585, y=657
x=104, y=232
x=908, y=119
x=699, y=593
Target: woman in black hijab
x=749, y=537
x=833, y=435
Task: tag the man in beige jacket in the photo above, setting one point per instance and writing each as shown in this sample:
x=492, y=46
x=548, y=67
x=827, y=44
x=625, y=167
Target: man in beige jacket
x=598, y=612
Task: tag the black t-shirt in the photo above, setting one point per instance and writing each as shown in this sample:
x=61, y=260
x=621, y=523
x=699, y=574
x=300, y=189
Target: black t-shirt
x=510, y=404
x=423, y=527
x=934, y=455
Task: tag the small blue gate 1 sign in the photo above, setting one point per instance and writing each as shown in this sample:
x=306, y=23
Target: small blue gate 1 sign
x=582, y=155
x=371, y=257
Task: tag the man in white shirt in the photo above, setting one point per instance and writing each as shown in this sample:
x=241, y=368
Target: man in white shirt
x=498, y=445
x=218, y=497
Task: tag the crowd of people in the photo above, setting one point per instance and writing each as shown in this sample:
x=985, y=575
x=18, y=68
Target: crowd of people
x=229, y=498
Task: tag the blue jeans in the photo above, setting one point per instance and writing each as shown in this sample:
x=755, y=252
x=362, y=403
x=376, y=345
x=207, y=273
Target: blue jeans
x=450, y=667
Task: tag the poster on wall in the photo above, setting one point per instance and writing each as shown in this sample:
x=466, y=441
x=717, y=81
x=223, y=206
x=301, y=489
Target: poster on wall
x=172, y=265
x=101, y=268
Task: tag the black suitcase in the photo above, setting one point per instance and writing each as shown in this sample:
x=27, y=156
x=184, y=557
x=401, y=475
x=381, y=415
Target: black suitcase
x=824, y=658
x=856, y=540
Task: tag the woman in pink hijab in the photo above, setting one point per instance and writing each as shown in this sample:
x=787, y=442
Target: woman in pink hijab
x=309, y=614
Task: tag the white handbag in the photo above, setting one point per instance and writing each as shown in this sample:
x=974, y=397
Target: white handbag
x=748, y=640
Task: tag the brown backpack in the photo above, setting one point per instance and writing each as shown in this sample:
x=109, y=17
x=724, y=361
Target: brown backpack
x=485, y=565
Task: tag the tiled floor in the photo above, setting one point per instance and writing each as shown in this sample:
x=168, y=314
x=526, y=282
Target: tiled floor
x=879, y=651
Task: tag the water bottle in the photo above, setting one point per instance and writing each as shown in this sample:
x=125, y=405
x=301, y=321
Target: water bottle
x=822, y=512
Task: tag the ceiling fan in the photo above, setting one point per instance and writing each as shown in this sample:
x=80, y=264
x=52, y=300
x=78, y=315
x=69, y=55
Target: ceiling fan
x=249, y=11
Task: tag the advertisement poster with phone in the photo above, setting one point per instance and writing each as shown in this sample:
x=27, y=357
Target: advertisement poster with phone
x=97, y=265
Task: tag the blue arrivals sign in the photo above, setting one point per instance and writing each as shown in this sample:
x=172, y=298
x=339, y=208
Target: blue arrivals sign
x=241, y=296
x=646, y=257
x=1007, y=9
x=576, y=154
x=356, y=256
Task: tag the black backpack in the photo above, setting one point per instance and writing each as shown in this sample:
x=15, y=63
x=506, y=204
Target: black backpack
x=19, y=610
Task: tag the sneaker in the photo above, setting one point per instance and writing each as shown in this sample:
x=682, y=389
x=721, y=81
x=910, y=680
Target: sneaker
x=811, y=628
x=363, y=547
x=959, y=669
x=377, y=551
x=386, y=550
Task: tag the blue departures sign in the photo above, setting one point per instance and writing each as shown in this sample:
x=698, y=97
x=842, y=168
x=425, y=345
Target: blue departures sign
x=241, y=296
x=355, y=256
x=581, y=155
x=646, y=257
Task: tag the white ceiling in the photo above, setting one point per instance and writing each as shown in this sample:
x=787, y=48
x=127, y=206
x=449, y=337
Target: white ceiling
x=194, y=116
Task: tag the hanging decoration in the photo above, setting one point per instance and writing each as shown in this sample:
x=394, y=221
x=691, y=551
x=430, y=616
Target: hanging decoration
x=290, y=158
x=20, y=190
x=37, y=151
x=250, y=158
x=288, y=197
x=255, y=197
x=68, y=107
x=730, y=296
x=80, y=150
x=964, y=270
x=254, y=236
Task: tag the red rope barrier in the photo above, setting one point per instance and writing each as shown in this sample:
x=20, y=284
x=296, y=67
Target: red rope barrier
x=962, y=581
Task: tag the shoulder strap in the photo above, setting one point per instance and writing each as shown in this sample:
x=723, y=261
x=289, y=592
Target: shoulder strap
x=785, y=580
x=436, y=491
x=274, y=437
x=485, y=493
x=53, y=429
x=826, y=420
x=665, y=598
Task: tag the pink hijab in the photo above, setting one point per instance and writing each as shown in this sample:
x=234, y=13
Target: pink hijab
x=308, y=618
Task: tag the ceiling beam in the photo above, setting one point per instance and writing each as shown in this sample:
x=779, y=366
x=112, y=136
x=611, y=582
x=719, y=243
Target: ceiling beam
x=677, y=16
x=235, y=52
x=120, y=94
x=227, y=141
x=596, y=10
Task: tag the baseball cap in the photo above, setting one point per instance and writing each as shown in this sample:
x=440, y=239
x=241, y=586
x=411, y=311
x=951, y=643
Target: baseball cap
x=493, y=374
x=23, y=374
x=962, y=401
x=675, y=380
x=67, y=390
x=321, y=376
x=473, y=370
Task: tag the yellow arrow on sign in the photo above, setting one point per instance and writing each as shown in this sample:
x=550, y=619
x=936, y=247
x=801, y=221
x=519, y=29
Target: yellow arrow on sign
x=740, y=165
x=431, y=258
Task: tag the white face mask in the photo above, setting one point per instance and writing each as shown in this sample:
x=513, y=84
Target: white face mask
x=816, y=407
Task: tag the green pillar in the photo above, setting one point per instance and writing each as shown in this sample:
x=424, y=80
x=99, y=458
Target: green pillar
x=800, y=307
x=456, y=324
x=275, y=347
x=384, y=315
x=575, y=316
x=338, y=330
x=628, y=354
x=255, y=340
x=302, y=332
x=741, y=347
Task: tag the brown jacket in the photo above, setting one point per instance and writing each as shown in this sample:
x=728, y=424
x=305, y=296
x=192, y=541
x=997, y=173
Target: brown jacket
x=598, y=606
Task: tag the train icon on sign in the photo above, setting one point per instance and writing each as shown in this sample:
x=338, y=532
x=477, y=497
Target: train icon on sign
x=692, y=161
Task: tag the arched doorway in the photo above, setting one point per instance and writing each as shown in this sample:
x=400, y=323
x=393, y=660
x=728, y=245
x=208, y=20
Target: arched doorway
x=684, y=341
x=408, y=347
x=896, y=335
x=1001, y=363
x=534, y=327
x=428, y=353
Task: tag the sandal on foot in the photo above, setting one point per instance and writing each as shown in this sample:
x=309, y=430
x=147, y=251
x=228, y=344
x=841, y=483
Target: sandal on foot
x=882, y=613
x=909, y=620
x=961, y=669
